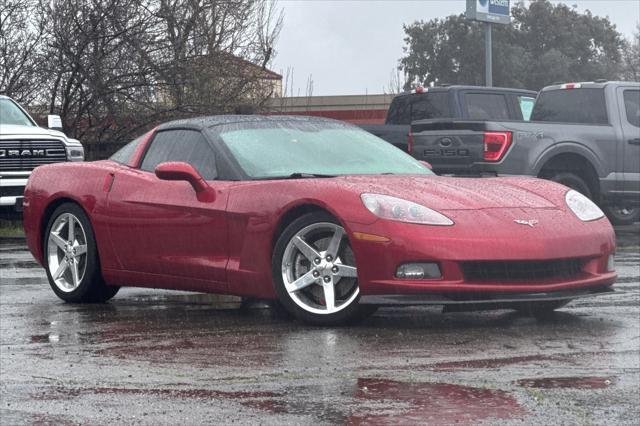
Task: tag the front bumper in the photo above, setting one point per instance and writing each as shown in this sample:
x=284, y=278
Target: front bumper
x=486, y=301
x=488, y=235
x=12, y=190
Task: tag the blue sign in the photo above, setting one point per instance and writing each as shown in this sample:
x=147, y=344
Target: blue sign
x=498, y=7
x=496, y=11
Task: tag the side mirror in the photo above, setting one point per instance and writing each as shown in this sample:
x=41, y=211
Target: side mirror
x=427, y=164
x=183, y=171
x=54, y=122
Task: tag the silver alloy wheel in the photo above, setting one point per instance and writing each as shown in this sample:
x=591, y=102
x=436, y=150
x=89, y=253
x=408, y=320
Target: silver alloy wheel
x=67, y=252
x=318, y=269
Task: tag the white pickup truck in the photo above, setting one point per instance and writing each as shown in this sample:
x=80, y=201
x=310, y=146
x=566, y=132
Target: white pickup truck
x=25, y=146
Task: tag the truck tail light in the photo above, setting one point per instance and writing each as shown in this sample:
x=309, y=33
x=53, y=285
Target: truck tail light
x=496, y=144
x=410, y=143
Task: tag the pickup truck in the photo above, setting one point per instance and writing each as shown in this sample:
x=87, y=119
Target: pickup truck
x=448, y=102
x=25, y=146
x=583, y=135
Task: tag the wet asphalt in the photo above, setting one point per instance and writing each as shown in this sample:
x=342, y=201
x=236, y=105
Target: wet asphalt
x=164, y=357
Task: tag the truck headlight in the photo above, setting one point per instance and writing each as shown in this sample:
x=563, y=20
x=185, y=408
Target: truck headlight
x=392, y=208
x=583, y=207
x=75, y=153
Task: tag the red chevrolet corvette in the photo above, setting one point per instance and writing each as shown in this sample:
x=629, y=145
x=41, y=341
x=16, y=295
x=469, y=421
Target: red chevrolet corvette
x=320, y=215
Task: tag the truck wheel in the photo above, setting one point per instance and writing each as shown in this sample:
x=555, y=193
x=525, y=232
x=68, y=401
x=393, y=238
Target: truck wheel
x=573, y=181
x=619, y=215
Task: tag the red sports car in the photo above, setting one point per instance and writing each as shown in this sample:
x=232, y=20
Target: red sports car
x=318, y=214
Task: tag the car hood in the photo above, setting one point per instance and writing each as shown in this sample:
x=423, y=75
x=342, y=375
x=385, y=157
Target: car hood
x=14, y=130
x=446, y=193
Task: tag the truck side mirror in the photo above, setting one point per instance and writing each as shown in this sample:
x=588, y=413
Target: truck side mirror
x=54, y=122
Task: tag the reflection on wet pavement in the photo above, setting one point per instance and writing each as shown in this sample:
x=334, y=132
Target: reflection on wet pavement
x=435, y=403
x=568, y=382
x=164, y=357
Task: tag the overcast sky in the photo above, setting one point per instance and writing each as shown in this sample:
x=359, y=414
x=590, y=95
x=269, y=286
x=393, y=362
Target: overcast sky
x=352, y=47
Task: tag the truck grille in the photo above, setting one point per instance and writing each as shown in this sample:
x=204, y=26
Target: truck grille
x=26, y=155
x=522, y=271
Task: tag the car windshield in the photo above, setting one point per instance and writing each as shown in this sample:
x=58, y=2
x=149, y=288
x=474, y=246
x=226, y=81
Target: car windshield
x=270, y=149
x=10, y=113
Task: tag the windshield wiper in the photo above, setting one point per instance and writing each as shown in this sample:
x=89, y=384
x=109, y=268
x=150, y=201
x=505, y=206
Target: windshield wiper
x=300, y=175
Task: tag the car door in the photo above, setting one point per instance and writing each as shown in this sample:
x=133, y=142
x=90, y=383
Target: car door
x=159, y=227
x=629, y=106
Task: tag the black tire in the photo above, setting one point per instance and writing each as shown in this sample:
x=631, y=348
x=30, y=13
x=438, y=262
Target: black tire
x=541, y=309
x=573, y=181
x=91, y=288
x=348, y=314
x=622, y=215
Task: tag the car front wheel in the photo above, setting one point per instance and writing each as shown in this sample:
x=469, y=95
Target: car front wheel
x=315, y=273
x=71, y=257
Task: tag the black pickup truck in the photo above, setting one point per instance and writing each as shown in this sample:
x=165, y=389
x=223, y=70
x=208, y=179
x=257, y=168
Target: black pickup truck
x=463, y=102
x=583, y=135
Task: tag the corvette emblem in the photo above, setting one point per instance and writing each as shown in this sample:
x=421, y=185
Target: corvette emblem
x=530, y=222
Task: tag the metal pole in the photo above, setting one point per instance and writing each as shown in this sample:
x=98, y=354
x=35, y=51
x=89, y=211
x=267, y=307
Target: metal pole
x=488, y=63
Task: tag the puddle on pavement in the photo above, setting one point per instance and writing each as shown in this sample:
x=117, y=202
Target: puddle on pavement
x=45, y=338
x=434, y=403
x=267, y=401
x=568, y=382
x=216, y=301
x=491, y=362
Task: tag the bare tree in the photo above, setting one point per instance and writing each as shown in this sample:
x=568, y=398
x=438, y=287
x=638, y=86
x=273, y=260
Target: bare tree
x=396, y=81
x=21, y=32
x=210, y=55
x=116, y=66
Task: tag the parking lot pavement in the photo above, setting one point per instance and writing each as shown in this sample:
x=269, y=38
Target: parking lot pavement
x=164, y=357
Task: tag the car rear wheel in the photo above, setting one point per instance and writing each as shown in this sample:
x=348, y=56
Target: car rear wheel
x=314, y=272
x=71, y=257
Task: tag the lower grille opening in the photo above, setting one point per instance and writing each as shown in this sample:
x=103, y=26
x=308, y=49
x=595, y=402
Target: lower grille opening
x=11, y=191
x=509, y=271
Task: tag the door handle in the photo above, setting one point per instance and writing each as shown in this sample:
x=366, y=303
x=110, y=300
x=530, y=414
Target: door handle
x=635, y=141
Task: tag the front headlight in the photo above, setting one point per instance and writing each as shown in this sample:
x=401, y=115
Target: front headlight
x=392, y=208
x=583, y=207
x=75, y=153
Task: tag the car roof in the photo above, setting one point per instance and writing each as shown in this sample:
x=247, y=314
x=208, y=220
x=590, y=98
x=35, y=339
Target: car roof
x=200, y=123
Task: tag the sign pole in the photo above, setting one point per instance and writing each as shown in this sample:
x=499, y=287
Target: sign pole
x=488, y=57
x=490, y=12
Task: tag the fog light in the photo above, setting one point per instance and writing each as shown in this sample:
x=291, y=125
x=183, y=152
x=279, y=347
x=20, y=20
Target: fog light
x=418, y=271
x=611, y=264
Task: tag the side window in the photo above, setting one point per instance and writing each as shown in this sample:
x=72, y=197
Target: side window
x=188, y=146
x=526, y=106
x=632, y=106
x=486, y=106
x=123, y=155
